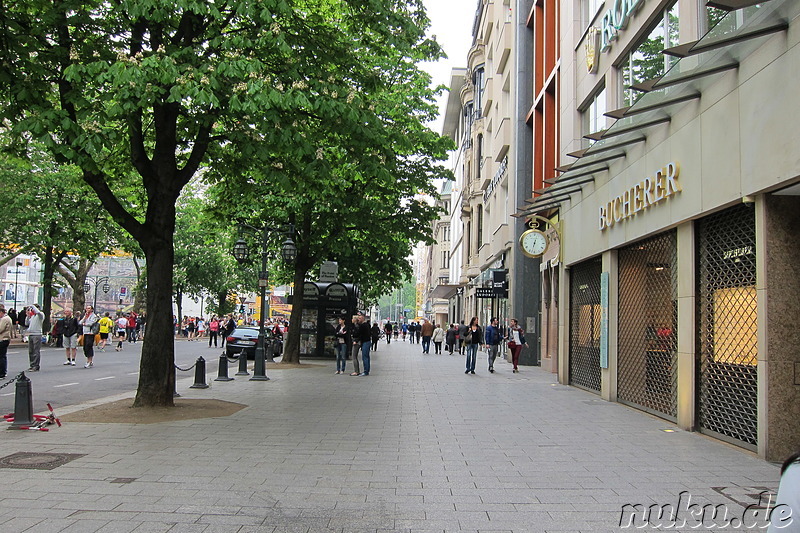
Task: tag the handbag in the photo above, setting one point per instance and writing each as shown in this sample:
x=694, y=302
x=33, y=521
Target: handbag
x=96, y=328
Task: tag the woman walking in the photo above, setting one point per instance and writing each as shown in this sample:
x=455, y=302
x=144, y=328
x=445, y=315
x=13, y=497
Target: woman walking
x=437, y=338
x=516, y=341
x=343, y=342
x=473, y=340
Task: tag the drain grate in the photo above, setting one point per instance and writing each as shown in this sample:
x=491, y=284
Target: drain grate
x=37, y=461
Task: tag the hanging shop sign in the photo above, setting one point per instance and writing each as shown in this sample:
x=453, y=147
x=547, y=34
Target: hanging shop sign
x=648, y=192
x=616, y=19
x=498, y=176
x=484, y=292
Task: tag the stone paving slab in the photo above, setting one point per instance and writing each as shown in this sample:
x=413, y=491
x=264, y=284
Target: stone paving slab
x=417, y=446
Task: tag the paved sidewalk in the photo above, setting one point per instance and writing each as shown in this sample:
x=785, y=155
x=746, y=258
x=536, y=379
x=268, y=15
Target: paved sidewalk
x=417, y=446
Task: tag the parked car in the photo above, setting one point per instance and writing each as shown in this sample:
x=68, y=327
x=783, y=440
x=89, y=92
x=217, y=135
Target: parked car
x=244, y=339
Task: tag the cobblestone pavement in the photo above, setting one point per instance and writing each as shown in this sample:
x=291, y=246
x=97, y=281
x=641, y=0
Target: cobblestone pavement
x=417, y=446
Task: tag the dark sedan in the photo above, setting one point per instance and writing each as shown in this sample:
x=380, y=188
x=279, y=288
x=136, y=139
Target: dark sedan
x=244, y=339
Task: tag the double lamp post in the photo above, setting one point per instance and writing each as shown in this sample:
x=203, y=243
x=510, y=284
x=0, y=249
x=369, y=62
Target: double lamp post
x=241, y=252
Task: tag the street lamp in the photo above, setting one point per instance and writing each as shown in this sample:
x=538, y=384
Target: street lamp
x=96, y=280
x=241, y=253
x=16, y=284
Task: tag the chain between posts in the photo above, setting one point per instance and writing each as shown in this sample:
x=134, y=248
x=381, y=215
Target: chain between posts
x=182, y=369
x=10, y=381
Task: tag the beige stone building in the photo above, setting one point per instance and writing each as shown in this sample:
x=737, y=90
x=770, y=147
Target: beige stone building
x=679, y=204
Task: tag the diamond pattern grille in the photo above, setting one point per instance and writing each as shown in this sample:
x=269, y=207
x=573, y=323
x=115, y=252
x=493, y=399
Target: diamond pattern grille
x=648, y=321
x=727, y=322
x=585, y=315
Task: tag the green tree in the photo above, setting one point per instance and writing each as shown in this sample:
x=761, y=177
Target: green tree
x=162, y=88
x=54, y=214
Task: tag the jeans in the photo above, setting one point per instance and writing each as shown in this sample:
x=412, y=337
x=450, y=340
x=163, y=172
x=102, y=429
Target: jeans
x=365, y=356
x=472, y=354
x=426, y=344
x=35, y=349
x=341, y=357
x=356, y=351
x=437, y=347
x=515, y=350
x=3, y=358
x=493, y=348
x=212, y=337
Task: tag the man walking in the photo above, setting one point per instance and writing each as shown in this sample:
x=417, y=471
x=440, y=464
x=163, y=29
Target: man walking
x=365, y=337
x=462, y=337
x=427, y=332
x=70, y=330
x=6, y=327
x=356, y=348
x=492, y=342
x=35, y=322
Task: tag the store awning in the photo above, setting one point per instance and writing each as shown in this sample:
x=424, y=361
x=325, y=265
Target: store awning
x=445, y=292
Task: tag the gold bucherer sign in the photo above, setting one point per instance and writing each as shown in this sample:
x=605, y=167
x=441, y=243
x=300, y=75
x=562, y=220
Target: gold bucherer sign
x=648, y=192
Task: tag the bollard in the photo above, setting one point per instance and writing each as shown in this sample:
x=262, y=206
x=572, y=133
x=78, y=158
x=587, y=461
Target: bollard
x=200, y=374
x=23, y=403
x=223, y=369
x=175, y=382
x=242, y=364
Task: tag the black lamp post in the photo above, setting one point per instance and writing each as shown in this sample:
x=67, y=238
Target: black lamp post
x=16, y=284
x=241, y=253
x=96, y=280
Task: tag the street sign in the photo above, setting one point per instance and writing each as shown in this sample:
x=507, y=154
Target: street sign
x=123, y=291
x=329, y=272
x=263, y=282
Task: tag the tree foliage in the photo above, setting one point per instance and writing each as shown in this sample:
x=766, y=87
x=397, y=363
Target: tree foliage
x=159, y=89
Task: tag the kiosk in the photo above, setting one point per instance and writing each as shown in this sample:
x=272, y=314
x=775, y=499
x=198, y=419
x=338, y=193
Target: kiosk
x=323, y=304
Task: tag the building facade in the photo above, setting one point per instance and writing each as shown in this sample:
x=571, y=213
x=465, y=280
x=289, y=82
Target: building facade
x=678, y=196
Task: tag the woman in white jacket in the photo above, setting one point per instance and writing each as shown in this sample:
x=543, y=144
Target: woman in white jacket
x=438, y=339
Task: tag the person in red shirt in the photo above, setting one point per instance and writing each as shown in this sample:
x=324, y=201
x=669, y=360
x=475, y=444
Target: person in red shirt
x=131, y=329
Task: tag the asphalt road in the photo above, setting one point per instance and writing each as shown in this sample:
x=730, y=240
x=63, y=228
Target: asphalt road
x=113, y=373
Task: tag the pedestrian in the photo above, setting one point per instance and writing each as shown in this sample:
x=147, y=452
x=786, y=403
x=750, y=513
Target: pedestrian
x=213, y=331
x=365, y=338
x=387, y=330
x=405, y=330
x=474, y=339
x=418, y=332
x=343, y=342
x=6, y=329
x=201, y=327
x=89, y=328
x=130, y=328
x=516, y=340
x=12, y=314
x=451, y=338
x=493, y=339
x=462, y=337
x=34, y=322
x=230, y=325
x=437, y=338
x=190, y=325
x=375, y=334
x=412, y=328
x=786, y=511
x=122, y=325
x=426, y=329
x=106, y=327
x=356, y=348
x=70, y=329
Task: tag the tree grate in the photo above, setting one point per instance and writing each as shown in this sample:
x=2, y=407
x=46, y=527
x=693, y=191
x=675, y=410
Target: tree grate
x=648, y=325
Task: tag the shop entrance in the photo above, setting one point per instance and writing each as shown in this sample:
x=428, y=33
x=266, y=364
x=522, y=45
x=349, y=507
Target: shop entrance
x=648, y=319
x=585, y=317
x=727, y=324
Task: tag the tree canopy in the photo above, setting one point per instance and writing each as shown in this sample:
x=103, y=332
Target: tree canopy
x=158, y=90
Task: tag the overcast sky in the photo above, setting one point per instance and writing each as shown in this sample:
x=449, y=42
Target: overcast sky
x=451, y=23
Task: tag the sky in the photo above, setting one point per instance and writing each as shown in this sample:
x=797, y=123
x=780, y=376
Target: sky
x=451, y=23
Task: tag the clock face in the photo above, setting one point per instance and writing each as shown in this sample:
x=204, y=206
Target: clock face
x=534, y=243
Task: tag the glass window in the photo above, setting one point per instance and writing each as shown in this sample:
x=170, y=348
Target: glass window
x=479, y=80
x=646, y=61
x=593, y=117
x=590, y=9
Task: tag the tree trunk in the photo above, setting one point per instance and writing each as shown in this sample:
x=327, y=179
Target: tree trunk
x=291, y=347
x=47, y=287
x=179, y=305
x=156, y=369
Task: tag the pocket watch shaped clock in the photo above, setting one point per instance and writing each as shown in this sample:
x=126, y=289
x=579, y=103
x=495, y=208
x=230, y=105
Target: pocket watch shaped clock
x=534, y=243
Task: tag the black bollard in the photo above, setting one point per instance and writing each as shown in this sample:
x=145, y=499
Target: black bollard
x=200, y=374
x=242, y=364
x=23, y=403
x=223, y=369
x=175, y=382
